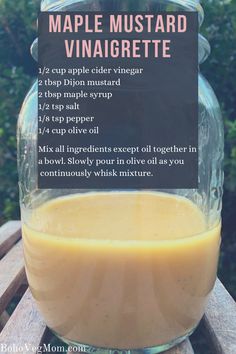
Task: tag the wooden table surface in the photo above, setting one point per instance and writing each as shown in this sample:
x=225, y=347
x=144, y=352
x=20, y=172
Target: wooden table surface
x=26, y=325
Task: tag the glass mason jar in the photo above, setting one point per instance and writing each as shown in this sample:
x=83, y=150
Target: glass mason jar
x=123, y=271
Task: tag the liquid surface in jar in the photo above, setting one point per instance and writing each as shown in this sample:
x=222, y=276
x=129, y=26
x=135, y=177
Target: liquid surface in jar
x=120, y=270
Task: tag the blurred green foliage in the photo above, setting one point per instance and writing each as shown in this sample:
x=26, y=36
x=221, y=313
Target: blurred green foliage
x=220, y=69
x=17, y=31
x=17, y=68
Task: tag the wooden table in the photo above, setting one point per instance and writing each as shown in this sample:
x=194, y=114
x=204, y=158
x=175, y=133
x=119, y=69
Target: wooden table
x=25, y=325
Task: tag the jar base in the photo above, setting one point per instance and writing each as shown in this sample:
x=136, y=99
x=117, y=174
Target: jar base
x=85, y=348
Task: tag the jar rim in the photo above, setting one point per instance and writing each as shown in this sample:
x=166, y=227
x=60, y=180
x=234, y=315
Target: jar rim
x=57, y=5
